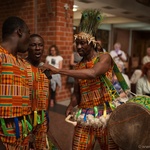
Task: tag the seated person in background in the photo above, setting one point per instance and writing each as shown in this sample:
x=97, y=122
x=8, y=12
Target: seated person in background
x=118, y=55
x=143, y=84
x=136, y=75
x=138, y=72
x=123, y=95
x=147, y=57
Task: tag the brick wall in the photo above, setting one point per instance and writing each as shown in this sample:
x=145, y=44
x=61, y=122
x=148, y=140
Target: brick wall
x=23, y=9
x=52, y=21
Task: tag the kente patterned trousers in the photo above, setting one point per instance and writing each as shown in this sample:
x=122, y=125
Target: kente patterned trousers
x=85, y=136
x=39, y=132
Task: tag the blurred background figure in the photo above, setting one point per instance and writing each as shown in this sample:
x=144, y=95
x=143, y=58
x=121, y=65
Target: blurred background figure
x=116, y=84
x=138, y=72
x=55, y=60
x=136, y=75
x=118, y=55
x=143, y=84
x=75, y=58
x=99, y=46
x=147, y=57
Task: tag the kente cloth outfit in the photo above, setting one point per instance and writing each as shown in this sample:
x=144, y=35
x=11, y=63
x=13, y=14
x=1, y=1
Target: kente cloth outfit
x=39, y=93
x=15, y=105
x=95, y=94
x=94, y=99
x=143, y=86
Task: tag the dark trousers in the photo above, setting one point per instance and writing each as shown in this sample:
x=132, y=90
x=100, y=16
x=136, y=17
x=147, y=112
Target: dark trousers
x=53, y=95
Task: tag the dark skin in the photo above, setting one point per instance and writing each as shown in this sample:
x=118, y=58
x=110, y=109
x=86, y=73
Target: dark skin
x=18, y=41
x=35, y=50
x=87, y=51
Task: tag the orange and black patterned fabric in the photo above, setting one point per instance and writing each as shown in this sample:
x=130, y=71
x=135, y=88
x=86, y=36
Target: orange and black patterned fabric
x=85, y=137
x=11, y=142
x=14, y=89
x=93, y=91
x=39, y=94
x=15, y=104
x=39, y=87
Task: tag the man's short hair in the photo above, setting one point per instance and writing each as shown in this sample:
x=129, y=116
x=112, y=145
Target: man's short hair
x=36, y=35
x=10, y=25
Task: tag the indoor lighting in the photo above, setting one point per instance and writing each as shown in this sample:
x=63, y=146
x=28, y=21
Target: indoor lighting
x=75, y=7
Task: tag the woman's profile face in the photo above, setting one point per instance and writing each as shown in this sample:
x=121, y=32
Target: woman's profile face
x=53, y=51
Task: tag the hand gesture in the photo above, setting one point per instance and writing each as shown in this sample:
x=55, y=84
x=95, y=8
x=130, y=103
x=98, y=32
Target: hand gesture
x=46, y=66
x=69, y=110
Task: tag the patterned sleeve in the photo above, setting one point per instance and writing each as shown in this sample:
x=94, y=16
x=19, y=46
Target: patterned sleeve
x=0, y=62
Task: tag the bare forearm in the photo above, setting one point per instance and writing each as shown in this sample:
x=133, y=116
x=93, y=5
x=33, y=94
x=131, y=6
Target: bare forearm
x=89, y=73
x=80, y=74
x=74, y=100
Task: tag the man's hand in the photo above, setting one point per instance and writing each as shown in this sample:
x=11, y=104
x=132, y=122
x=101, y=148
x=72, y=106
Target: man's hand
x=47, y=66
x=69, y=110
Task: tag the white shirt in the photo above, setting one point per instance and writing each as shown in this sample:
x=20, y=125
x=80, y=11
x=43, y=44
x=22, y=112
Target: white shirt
x=54, y=60
x=114, y=54
x=143, y=86
x=56, y=78
x=146, y=59
x=135, y=76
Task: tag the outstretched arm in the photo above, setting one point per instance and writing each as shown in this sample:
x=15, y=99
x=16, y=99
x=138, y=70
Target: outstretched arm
x=99, y=68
